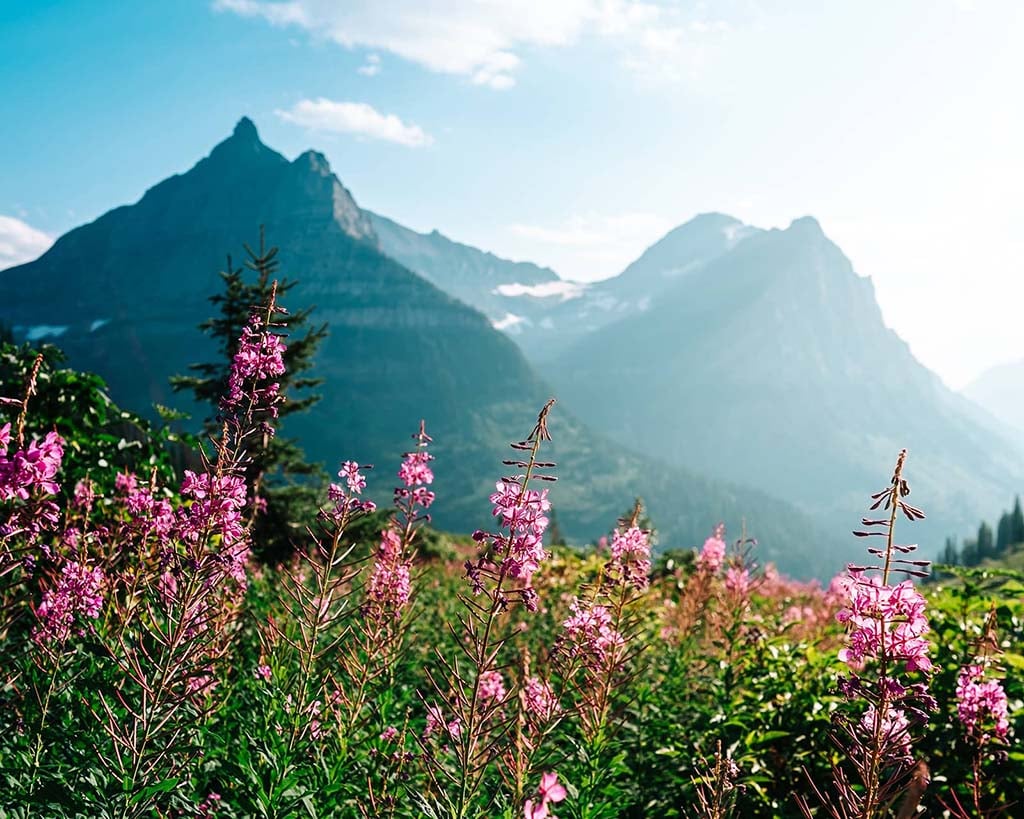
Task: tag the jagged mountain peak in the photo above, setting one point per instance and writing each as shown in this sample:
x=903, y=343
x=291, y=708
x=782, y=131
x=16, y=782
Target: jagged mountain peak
x=314, y=162
x=245, y=129
x=806, y=226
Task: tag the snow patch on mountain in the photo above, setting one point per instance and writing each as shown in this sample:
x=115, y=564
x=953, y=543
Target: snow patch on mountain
x=565, y=290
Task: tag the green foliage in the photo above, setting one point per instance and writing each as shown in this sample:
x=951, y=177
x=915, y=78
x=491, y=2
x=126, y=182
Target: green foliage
x=101, y=439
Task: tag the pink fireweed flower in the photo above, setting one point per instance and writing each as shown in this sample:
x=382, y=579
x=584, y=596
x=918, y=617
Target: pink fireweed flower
x=263, y=672
x=894, y=731
x=590, y=633
x=355, y=481
x=550, y=791
x=34, y=468
x=885, y=621
x=982, y=705
x=631, y=553
x=737, y=581
x=389, y=587
x=524, y=514
x=389, y=734
x=84, y=495
x=149, y=515
x=415, y=469
x=712, y=555
x=259, y=359
x=78, y=592
x=538, y=699
x=216, y=507
x=437, y=724
x=492, y=686
x=125, y=483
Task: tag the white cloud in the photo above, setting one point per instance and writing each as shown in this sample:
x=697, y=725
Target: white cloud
x=564, y=290
x=371, y=68
x=20, y=242
x=482, y=41
x=354, y=118
x=508, y=322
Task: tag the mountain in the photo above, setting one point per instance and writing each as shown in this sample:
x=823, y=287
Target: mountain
x=492, y=285
x=771, y=364
x=542, y=312
x=123, y=294
x=1000, y=390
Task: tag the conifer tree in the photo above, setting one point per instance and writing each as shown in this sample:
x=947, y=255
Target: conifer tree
x=278, y=473
x=969, y=553
x=986, y=543
x=1003, y=532
x=949, y=555
x=1016, y=523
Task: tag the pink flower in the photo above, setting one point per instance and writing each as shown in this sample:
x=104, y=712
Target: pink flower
x=712, y=555
x=982, y=705
x=415, y=469
x=84, y=496
x=263, y=671
x=548, y=792
x=436, y=723
x=894, y=728
x=887, y=620
x=389, y=734
x=350, y=472
x=389, y=586
x=34, y=468
x=737, y=581
x=539, y=699
x=78, y=592
x=589, y=632
x=631, y=552
x=523, y=513
x=492, y=686
x=259, y=359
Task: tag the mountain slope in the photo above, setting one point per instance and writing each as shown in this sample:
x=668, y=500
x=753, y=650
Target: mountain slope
x=476, y=277
x=124, y=293
x=543, y=313
x=1000, y=390
x=772, y=362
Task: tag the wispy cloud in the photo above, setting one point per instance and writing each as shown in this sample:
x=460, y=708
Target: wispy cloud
x=359, y=118
x=20, y=242
x=483, y=41
x=562, y=289
x=371, y=68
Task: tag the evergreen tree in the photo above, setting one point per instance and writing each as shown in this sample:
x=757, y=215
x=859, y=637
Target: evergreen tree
x=986, y=542
x=1016, y=523
x=1003, y=532
x=969, y=553
x=949, y=555
x=279, y=472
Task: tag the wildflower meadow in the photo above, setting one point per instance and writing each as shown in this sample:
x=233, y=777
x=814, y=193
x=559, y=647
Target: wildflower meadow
x=155, y=662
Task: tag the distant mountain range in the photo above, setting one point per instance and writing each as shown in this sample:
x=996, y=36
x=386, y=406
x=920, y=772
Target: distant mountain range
x=762, y=356
x=1000, y=390
x=123, y=294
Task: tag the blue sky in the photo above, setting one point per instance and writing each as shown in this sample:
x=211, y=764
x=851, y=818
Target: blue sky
x=571, y=133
